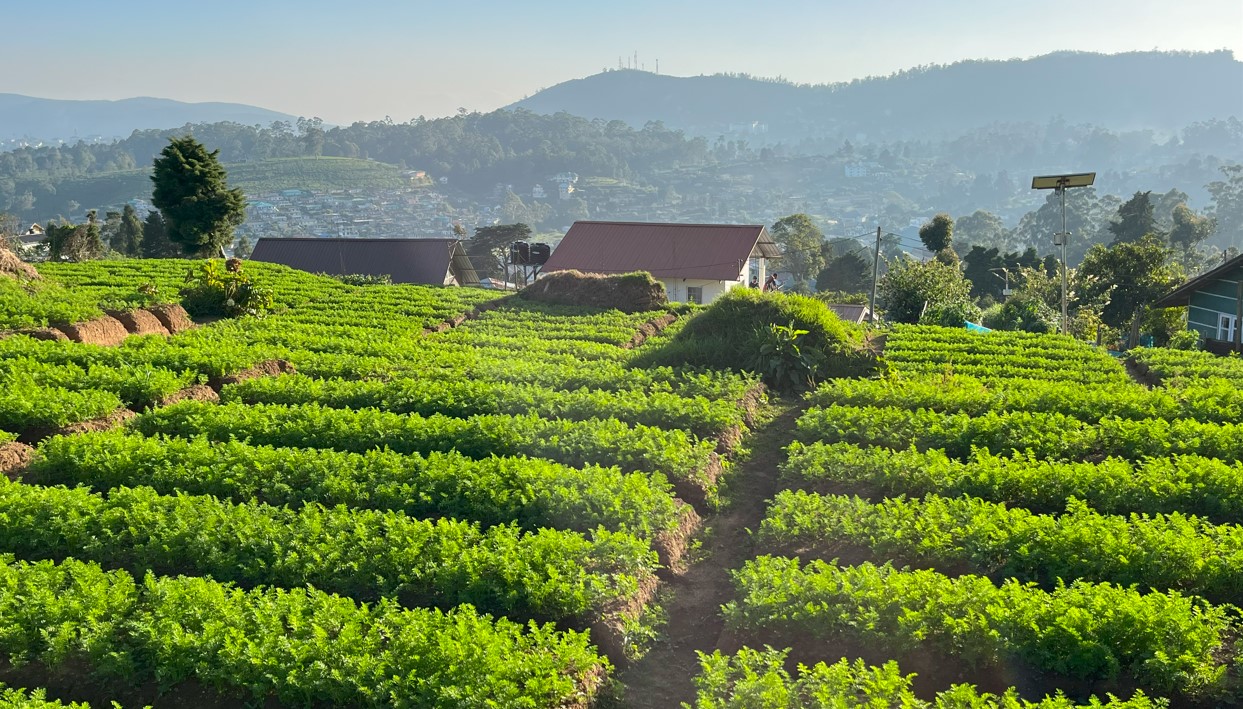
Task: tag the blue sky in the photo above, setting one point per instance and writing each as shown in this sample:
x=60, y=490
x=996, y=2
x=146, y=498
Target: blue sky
x=367, y=59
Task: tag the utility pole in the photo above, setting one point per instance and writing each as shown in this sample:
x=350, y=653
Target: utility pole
x=875, y=274
x=1059, y=183
x=1064, y=236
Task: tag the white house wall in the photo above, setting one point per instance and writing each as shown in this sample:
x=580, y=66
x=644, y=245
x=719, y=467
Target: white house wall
x=675, y=288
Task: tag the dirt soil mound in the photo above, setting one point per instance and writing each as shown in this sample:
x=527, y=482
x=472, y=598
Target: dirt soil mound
x=628, y=292
x=14, y=267
x=649, y=328
x=107, y=331
x=43, y=333
x=173, y=317
x=104, y=423
x=14, y=457
x=139, y=322
x=198, y=392
x=266, y=368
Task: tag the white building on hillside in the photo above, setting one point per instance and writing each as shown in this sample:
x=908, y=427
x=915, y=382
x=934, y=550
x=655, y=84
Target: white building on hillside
x=697, y=262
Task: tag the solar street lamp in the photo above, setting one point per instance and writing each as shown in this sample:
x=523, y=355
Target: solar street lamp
x=1060, y=183
x=1005, y=275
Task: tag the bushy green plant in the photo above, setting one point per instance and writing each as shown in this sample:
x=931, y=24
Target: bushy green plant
x=1163, y=324
x=910, y=287
x=1021, y=313
x=951, y=314
x=780, y=360
x=733, y=332
x=1184, y=340
x=363, y=279
x=221, y=289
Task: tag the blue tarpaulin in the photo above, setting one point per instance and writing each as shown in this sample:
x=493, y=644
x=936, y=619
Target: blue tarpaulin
x=976, y=328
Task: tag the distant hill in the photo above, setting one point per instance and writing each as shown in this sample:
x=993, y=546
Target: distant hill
x=320, y=174
x=113, y=189
x=55, y=119
x=1161, y=91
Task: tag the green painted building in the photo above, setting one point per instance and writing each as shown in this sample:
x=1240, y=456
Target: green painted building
x=1214, y=302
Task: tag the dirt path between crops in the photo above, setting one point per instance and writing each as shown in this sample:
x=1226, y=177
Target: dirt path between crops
x=665, y=677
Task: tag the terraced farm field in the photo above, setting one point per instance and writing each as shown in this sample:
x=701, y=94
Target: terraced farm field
x=1005, y=510
x=375, y=496
x=425, y=497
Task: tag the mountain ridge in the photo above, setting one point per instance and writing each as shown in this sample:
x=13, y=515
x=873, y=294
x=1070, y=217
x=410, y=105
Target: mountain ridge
x=1128, y=91
x=48, y=119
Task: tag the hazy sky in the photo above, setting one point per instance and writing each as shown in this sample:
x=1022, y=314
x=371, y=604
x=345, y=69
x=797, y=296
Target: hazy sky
x=367, y=59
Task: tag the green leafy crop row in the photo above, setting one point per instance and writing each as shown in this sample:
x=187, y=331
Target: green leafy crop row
x=638, y=448
x=758, y=679
x=25, y=404
x=1164, y=641
x=1163, y=551
x=1047, y=435
x=529, y=492
x=301, y=646
x=1214, y=401
x=1180, y=367
x=462, y=398
x=40, y=303
x=1192, y=484
x=365, y=554
x=138, y=386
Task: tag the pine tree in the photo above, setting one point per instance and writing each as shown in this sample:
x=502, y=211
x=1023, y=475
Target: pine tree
x=242, y=249
x=1136, y=219
x=128, y=240
x=155, y=242
x=192, y=192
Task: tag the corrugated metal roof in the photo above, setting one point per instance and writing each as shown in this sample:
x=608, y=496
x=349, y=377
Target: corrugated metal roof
x=856, y=314
x=706, y=251
x=422, y=261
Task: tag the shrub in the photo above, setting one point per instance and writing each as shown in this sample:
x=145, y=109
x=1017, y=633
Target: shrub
x=1021, y=313
x=363, y=279
x=951, y=315
x=785, y=338
x=222, y=289
x=1185, y=340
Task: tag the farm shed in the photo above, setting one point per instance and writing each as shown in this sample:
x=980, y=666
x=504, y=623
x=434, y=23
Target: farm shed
x=431, y=262
x=857, y=314
x=1214, y=303
x=697, y=263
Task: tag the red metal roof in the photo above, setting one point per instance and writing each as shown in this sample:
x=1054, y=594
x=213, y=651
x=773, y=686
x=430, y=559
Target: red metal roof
x=706, y=251
x=425, y=261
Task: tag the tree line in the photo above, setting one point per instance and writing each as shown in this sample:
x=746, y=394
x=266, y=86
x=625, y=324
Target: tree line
x=1149, y=250
x=472, y=150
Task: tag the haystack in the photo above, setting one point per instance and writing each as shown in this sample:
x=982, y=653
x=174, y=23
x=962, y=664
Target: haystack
x=13, y=267
x=628, y=292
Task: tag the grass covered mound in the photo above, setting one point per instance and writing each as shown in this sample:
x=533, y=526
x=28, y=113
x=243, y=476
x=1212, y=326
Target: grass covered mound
x=791, y=341
x=627, y=292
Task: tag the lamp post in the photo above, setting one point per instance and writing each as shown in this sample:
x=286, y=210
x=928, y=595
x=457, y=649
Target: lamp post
x=1060, y=183
x=1005, y=292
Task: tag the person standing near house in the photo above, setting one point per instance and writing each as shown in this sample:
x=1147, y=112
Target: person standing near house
x=755, y=282
x=771, y=284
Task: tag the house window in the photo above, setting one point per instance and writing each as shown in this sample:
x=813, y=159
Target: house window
x=1225, y=328
x=695, y=294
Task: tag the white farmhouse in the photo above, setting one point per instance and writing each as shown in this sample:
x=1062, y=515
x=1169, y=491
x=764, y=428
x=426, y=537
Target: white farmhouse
x=697, y=262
